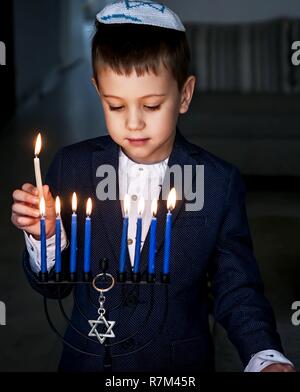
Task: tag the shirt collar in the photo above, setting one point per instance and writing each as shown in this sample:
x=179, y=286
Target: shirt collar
x=126, y=161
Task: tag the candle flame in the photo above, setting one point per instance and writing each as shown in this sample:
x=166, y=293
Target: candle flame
x=38, y=145
x=74, y=202
x=171, y=199
x=126, y=204
x=154, y=207
x=141, y=206
x=89, y=207
x=42, y=207
x=57, y=206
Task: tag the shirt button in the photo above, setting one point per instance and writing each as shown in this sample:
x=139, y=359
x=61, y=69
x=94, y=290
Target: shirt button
x=134, y=197
x=130, y=241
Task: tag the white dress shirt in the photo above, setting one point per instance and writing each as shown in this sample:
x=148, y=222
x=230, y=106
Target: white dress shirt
x=139, y=180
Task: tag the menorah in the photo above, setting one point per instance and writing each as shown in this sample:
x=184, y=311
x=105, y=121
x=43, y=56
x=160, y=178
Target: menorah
x=75, y=278
x=95, y=336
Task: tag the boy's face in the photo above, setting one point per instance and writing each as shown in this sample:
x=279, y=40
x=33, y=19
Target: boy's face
x=141, y=113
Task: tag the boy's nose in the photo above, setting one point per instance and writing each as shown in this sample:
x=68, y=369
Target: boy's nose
x=135, y=121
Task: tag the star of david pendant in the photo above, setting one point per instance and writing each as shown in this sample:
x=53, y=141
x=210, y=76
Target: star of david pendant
x=102, y=336
x=101, y=321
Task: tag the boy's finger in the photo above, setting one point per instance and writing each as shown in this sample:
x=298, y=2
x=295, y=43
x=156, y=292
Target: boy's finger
x=22, y=221
x=30, y=188
x=48, y=195
x=46, y=192
x=23, y=210
x=25, y=197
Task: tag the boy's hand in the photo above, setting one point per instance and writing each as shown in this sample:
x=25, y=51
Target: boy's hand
x=26, y=212
x=279, y=367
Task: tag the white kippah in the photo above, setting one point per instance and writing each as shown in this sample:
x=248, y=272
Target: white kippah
x=140, y=12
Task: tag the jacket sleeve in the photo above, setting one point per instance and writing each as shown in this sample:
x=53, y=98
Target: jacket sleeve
x=239, y=302
x=54, y=291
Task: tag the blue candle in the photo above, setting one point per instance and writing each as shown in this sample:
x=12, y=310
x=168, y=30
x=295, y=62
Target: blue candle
x=73, y=245
x=87, y=237
x=57, y=237
x=43, y=236
x=138, y=237
x=151, y=259
x=123, y=253
x=167, y=249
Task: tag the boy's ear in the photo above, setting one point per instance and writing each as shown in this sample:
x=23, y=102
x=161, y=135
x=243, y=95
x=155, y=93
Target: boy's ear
x=95, y=85
x=187, y=94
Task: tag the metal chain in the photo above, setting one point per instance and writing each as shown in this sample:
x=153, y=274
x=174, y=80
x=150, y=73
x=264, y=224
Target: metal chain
x=101, y=310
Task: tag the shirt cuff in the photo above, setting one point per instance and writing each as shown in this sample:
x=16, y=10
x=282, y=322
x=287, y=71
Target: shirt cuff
x=34, y=250
x=265, y=358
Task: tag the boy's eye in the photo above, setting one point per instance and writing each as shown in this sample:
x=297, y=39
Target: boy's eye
x=153, y=107
x=112, y=108
x=115, y=108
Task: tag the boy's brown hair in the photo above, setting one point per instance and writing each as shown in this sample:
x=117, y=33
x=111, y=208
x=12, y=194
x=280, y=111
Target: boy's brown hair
x=143, y=48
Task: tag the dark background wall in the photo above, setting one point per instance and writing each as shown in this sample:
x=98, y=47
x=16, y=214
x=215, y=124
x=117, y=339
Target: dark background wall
x=47, y=37
x=234, y=11
x=7, y=74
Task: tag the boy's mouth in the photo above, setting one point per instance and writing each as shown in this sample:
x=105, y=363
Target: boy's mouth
x=138, y=141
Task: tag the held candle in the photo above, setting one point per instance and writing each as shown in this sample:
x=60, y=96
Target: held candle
x=138, y=237
x=87, y=237
x=151, y=260
x=73, y=245
x=57, y=236
x=170, y=205
x=43, y=237
x=123, y=251
x=37, y=167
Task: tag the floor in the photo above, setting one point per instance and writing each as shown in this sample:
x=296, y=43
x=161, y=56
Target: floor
x=68, y=112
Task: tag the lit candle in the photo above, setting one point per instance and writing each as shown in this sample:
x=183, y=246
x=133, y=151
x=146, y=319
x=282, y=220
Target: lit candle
x=87, y=237
x=37, y=167
x=57, y=236
x=138, y=237
x=73, y=245
x=170, y=205
x=43, y=236
x=151, y=259
x=123, y=251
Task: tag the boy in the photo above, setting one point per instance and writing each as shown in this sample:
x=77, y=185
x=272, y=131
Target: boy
x=140, y=62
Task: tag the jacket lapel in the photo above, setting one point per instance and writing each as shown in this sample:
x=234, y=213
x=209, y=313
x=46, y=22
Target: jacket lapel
x=109, y=211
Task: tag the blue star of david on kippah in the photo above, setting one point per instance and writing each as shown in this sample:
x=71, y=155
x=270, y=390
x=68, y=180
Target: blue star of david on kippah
x=140, y=12
x=138, y=3
x=116, y=16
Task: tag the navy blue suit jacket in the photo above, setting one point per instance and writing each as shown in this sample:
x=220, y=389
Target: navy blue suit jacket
x=159, y=330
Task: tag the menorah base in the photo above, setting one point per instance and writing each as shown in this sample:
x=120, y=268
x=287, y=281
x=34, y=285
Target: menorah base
x=151, y=278
x=76, y=277
x=57, y=277
x=87, y=277
x=73, y=277
x=165, y=278
x=136, y=277
x=121, y=277
x=43, y=277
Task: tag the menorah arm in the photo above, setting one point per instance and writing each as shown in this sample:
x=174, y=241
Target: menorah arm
x=53, y=291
